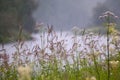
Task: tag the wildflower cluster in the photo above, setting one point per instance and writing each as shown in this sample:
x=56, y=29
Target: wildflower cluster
x=108, y=14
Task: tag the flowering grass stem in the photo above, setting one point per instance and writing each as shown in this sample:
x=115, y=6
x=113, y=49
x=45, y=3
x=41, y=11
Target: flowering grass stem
x=108, y=55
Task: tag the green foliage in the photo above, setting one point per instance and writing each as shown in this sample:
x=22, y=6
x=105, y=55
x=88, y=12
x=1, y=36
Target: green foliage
x=14, y=14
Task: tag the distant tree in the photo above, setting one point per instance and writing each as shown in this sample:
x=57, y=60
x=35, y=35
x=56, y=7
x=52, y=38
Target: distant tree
x=15, y=13
x=111, y=5
x=25, y=9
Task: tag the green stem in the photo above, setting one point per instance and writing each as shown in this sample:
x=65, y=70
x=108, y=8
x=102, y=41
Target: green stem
x=96, y=66
x=108, y=55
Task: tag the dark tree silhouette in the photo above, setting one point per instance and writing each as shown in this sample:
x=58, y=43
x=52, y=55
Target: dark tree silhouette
x=15, y=13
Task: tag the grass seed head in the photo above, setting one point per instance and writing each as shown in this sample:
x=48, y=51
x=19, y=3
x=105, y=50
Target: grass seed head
x=114, y=64
x=24, y=72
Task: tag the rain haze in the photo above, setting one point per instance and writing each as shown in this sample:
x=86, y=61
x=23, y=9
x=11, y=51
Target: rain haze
x=64, y=14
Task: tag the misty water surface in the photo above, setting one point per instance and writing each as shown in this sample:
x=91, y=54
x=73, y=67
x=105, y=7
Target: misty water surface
x=64, y=14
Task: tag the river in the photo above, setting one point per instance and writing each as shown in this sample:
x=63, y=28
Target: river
x=10, y=47
x=66, y=36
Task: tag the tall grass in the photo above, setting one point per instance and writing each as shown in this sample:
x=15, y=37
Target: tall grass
x=88, y=57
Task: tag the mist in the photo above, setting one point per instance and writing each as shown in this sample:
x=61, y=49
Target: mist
x=64, y=14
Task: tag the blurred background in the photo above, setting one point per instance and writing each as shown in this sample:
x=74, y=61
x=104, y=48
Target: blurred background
x=64, y=14
x=21, y=16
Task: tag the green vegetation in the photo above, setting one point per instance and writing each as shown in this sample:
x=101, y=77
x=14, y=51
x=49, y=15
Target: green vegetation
x=13, y=14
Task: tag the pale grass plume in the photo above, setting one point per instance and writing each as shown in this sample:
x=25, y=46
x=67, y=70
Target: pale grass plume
x=115, y=38
x=91, y=78
x=24, y=72
x=87, y=78
x=114, y=64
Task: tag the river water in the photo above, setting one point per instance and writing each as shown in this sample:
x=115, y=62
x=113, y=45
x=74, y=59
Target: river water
x=41, y=41
x=38, y=39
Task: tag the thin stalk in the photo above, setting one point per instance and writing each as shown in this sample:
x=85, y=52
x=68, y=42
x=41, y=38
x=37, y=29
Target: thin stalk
x=20, y=34
x=108, y=55
x=96, y=67
x=77, y=68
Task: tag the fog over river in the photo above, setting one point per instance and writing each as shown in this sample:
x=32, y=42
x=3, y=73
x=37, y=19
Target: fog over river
x=64, y=14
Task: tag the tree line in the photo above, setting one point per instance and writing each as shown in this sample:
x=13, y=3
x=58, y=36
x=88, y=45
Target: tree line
x=16, y=13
